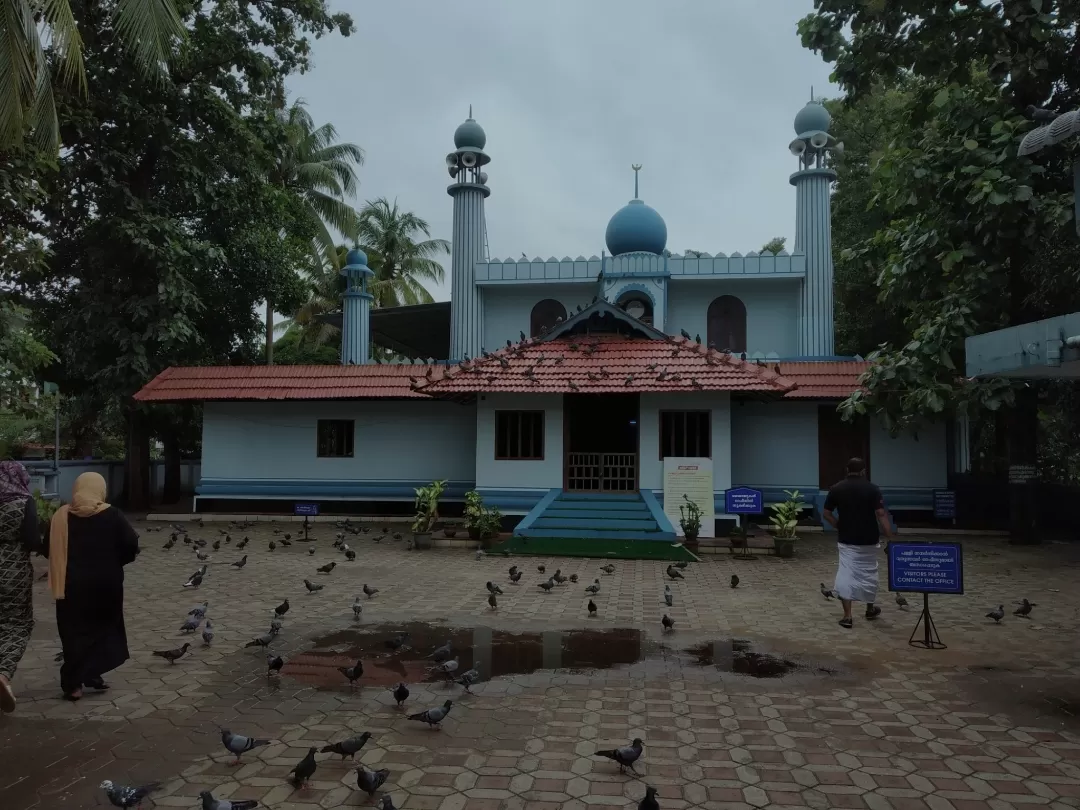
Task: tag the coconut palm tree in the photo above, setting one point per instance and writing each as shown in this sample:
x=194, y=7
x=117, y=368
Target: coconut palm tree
x=322, y=174
x=148, y=29
x=402, y=264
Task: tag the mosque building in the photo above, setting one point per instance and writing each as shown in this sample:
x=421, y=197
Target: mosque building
x=571, y=392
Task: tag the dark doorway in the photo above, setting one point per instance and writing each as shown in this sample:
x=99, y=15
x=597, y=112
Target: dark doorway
x=601, y=437
x=839, y=441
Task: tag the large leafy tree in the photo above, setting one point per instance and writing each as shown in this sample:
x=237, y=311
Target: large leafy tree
x=401, y=252
x=164, y=231
x=321, y=173
x=40, y=36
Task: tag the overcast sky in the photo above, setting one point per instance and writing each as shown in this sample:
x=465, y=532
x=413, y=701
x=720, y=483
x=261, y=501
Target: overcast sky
x=702, y=93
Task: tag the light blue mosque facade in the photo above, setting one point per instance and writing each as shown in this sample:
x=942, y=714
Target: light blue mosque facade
x=561, y=387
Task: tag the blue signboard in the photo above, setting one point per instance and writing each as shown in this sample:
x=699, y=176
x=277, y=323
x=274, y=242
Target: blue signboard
x=944, y=503
x=926, y=567
x=305, y=509
x=743, y=501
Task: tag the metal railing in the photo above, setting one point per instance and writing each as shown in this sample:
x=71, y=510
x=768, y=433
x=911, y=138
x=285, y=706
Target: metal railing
x=601, y=472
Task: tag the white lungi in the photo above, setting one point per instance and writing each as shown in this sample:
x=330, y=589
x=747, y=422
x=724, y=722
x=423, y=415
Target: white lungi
x=856, y=576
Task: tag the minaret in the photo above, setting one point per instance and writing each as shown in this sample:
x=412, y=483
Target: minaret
x=356, y=310
x=815, y=148
x=469, y=190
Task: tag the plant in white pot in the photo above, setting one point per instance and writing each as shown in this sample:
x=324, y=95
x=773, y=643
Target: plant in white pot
x=690, y=520
x=785, y=523
x=427, y=513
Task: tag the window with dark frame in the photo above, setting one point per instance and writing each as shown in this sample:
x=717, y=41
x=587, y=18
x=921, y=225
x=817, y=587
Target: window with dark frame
x=686, y=434
x=726, y=324
x=335, y=438
x=519, y=435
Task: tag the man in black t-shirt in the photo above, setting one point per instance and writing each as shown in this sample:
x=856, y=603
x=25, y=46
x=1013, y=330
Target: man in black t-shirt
x=861, y=520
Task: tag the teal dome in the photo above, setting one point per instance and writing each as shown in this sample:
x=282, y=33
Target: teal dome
x=636, y=227
x=812, y=118
x=356, y=257
x=470, y=135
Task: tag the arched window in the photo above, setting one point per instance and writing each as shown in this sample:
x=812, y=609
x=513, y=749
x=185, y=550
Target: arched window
x=545, y=315
x=727, y=324
x=636, y=304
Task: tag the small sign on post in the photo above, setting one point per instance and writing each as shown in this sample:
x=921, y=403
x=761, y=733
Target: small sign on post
x=944, y=504
x=926, y=568
x=743, y=501
x=307, y=511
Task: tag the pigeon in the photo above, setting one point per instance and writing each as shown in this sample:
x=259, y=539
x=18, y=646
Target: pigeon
x=901, y=602
x=480, y=554
x=311, y=551
x=558, y=577
x=210, y=803
x=199, y=610
x=515, y=577
x=353, y=673
x=442, y=653
x=467, y=679
x=370, y=781
x=592, y=608
x=608, y=569
x=272, y=545
x=288, y=536
x=573, y=578
x=594, y=588
x=172, y=656
x=826, y=592
x=669, y=599
x=216, y=545
x=170, y=543
x=347, y=748
x=202, y=556
x=274, y=663
x=493, y=588
x=311, y=586
x=262, y=641
x=357, y=608
x=649, y=802
x=734, y=581
x=240, y=546
x=625, y=756
x=241, y=562
x=282, y=609
x=668, y=622
x=124, y=796
x=239, y=744
x=513, y=570
x=1024, y=609
x=398, y=641
x=447, y=668
x=275, y=625
x=997, y=615
x=681, y=564
x=396, y=535
x=326, y=569
x=541, y=569
x=196, y=579
x=285, y=541
x=369, y=591
x=433, y=716
x=191, y=624
x=674, y=572
x=493, y=602
x=207, y=634
x=546, y=586
x=304, y=769
x=386, y=803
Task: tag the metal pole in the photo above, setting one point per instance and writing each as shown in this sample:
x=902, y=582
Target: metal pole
x=56, y=441
x=926, y=621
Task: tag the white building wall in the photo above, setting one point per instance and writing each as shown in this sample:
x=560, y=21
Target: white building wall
x=913, y=460
x=772, y=311
x=394, y=441
x=651, y=473
x=507, y=310
x=546, y=473
x=774, y=444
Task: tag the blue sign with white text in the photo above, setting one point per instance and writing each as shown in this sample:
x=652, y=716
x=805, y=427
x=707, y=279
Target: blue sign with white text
x=743, y=501
x=926, y=567
x=305, y=509
x=944, y=503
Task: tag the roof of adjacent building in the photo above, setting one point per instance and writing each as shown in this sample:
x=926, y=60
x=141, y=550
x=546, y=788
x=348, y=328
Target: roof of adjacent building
x=606, y=364
x=652, y=366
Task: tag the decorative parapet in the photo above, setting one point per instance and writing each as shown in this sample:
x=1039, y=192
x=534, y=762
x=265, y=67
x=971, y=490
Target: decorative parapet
x=677, y=266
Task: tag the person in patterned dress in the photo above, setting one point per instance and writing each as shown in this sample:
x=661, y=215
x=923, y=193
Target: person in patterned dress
x=19, y=537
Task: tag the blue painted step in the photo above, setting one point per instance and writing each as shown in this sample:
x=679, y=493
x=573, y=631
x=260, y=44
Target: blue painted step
x=593, y=504
x=595, y=522
x=624, y=516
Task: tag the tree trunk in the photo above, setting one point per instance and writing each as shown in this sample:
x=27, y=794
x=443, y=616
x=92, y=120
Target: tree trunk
x=269, y=333
x=137, y=463
x=1023, y=423
x=171, y=485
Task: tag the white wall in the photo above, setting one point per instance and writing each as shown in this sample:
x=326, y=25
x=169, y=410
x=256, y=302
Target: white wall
x=772, y=311
x=544, y=474
x=775, y=444
x=507, y=308
x=394, y=441
x=909, y=461
x=651, y=475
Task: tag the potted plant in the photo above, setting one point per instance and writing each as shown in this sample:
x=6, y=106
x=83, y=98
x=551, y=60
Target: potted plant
x=427, y=512
x=785, y=522
x=490, y=525
x=690, y=520
x=474, y=515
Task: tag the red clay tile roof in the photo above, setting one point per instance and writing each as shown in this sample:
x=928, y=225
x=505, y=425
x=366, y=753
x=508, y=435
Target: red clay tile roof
x=606, y=364
x=209, y=383
x=830, y=379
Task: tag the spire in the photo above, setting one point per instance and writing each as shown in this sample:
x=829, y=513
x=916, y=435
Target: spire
x=637, y=168
x=471, y=118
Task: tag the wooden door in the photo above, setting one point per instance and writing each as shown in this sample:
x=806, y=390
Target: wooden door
x=839, y=441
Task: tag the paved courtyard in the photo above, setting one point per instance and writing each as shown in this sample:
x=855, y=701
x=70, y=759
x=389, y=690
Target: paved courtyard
x=862, y=720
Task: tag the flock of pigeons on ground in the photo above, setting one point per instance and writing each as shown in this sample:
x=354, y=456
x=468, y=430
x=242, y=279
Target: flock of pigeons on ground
x=997, y=614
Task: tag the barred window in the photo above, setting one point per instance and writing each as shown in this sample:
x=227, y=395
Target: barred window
x=335, y=438
x=686, y=434
x=519, y=435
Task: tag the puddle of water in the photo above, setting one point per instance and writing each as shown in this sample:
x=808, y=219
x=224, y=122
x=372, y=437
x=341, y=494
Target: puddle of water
x=738, y=656
x=494, y=652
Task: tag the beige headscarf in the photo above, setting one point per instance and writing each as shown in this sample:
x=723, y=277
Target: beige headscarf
x=87, y=498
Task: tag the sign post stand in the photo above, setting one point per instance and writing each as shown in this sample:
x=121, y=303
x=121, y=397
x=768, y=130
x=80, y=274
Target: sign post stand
x=307, y=510
x=743, y=501
x=926, y=568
